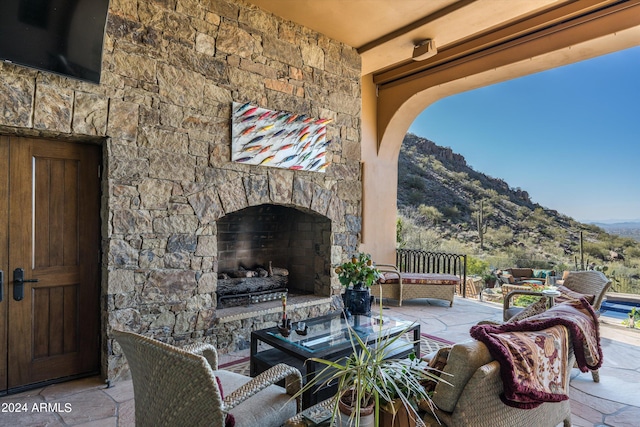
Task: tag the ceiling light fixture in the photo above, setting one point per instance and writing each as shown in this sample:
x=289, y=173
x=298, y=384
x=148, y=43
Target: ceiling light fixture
x=424, y=49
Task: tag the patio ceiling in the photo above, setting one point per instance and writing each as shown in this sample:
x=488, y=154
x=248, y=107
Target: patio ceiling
x=385, y=31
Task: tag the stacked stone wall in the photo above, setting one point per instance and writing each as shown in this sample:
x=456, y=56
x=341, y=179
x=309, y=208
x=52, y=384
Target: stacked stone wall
x=171, y=70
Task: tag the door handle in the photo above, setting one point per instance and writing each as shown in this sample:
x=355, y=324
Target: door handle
x=18, y=284
x=1, y=285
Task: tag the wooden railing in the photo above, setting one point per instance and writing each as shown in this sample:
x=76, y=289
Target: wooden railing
x=417, y=261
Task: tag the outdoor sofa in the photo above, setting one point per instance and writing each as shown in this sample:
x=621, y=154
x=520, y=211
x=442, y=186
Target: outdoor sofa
x=520, y=275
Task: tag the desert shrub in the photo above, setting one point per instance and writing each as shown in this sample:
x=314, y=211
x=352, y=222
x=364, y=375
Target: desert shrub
x=522, y=213
x=518, y=254
x=438, y=167
x=458, y=176
x=399, y=233
x=430, y=213
x=598, y=250
x=493, y=195
x=415, y=182
x=628, y=242
x=560, y=234
x=416, y=197
x=539, y=218
x=421, y=239
x=501, y=237
x=454, y=247
x=476, y=266
x=625, y=280
x=451, y=212
x=469, y=185
x=632, y=252
x=410, y=235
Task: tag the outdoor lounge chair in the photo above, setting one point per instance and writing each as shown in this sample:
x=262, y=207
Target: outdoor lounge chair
x=403, y=286
x=174, y=386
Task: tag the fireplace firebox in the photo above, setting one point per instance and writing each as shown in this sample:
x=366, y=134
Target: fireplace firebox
x=268, y=250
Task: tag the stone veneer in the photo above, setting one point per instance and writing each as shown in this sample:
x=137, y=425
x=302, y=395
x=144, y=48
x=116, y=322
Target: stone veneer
x=171, y=70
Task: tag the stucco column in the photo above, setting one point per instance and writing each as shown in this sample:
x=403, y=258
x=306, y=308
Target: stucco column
x=379, y=184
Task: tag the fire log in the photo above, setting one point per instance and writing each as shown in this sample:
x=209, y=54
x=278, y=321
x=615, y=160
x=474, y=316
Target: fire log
x=248, y=285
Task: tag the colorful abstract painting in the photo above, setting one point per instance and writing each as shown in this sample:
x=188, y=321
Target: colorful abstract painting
x=278, y=139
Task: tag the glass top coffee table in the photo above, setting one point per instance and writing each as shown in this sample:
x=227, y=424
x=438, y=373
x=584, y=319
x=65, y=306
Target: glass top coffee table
x=327, y=338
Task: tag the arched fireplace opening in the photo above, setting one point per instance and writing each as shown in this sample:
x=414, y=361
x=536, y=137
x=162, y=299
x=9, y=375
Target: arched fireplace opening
x=271, y=248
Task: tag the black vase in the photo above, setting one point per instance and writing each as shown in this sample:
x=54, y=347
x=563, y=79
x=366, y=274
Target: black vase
x=357, y=300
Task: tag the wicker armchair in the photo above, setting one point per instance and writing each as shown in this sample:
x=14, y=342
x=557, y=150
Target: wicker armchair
x=174, y=386
x=470, y=394
x=589, y=283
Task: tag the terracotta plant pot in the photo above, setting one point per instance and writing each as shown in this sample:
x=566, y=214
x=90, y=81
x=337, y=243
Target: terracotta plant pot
x=345, y=419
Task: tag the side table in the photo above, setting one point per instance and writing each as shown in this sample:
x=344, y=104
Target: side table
x=551, y=294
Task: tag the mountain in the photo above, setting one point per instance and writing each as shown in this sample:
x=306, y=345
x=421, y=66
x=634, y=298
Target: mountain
x=625, y=229
x=440, y=198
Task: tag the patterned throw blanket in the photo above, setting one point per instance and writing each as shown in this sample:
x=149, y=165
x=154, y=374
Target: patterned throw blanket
x=533, y=352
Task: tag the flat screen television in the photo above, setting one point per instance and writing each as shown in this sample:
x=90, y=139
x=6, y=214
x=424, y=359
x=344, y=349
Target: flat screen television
x=60, y=36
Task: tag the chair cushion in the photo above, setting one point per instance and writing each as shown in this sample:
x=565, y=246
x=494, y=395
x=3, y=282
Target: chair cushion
x=421, y=278
x=507, y=278
x=464, y=360
x=436, y=365
x=542, y=274
x=270, y=407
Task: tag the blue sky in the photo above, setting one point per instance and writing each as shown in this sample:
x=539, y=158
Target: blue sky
x=569, y=136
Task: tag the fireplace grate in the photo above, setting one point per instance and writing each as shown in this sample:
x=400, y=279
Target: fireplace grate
x=234, y=300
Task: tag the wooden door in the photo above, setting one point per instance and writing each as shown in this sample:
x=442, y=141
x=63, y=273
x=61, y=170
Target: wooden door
x=4, y=256
x=52, y=325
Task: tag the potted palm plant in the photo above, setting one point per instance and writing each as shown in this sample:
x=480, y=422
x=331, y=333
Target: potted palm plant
x=357, y=276
x=366, y=380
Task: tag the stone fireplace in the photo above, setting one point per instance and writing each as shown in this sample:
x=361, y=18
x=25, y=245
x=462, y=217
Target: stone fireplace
x=268, y=238
x=297, y=220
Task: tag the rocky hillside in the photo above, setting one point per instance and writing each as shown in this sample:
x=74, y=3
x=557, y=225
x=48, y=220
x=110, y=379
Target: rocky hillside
x=440, y=199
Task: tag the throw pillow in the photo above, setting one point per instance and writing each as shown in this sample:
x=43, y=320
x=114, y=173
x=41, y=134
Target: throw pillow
x=542, y=274
x=567, y=294
x=537, y=307
x=508, y=278
x=230, y=420
x=436, y=366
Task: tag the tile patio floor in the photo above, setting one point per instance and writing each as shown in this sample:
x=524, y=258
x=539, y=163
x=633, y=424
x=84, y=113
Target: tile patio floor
x=615, y=401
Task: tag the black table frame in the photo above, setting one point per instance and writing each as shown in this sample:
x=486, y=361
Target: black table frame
x=282, y=351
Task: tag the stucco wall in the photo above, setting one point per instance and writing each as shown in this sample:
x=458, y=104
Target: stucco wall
x=171, y=70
